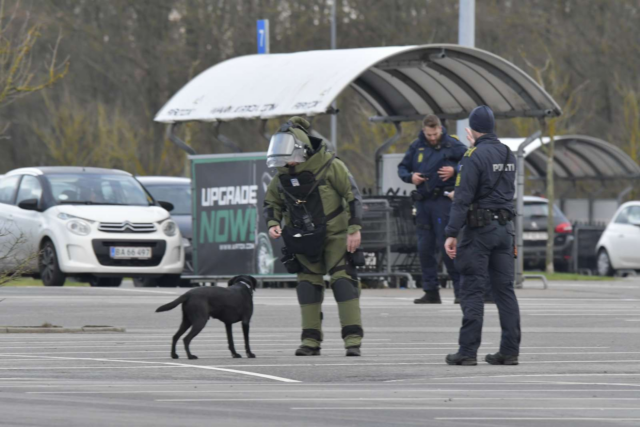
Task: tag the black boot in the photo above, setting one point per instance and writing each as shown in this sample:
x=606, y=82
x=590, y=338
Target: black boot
x=308, y=351
x=429, y=297
x=459, y=359
x=501, y=359
x=353, y=351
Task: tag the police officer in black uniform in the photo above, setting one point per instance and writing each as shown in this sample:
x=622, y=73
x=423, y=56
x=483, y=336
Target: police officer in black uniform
x=430, y=164
x=483, y=213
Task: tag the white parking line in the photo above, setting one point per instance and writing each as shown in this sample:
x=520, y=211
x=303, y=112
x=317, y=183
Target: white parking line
x=393, y=399
x=167, y=364
x=577, y=383
x=540, y=375
x=127, y=346
x=532, y=419
x=454, y=408
x=330, y=391
x=371, y=352
x=297, y=365
x=585, y=314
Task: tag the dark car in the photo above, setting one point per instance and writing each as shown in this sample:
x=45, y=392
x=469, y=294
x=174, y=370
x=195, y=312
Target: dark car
x=176, y=191
x=535, y=235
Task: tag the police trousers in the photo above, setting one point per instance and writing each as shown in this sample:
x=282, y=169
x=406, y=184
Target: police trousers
x=432, y=217
x=485, y=258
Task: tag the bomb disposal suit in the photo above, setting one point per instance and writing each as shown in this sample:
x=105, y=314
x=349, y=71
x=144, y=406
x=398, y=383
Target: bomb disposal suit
x=319, y=202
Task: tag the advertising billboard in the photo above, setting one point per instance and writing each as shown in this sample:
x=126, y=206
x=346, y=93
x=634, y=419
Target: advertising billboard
x=229, y=232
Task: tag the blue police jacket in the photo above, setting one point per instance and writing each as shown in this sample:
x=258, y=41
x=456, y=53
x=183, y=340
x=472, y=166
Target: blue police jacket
x=479, y=171
x=422, y=157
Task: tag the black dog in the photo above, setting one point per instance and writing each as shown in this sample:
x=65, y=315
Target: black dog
x=229, y=305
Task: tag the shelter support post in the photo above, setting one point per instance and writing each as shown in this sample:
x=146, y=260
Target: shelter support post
x=592, y=198
x=378, y=156
x=176, y=140
x=623, y=194
x=225, y=140
x=519, y=279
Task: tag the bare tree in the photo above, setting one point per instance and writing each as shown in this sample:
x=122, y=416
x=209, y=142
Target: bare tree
x=15, y=257
x=130, y=56
x=559, y=86
x=18, y=73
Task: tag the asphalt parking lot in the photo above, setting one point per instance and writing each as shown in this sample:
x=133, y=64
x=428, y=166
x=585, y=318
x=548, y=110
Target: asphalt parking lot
x=580, y=363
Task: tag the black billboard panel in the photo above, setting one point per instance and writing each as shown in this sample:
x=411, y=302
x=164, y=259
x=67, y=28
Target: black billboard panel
x=229, y=233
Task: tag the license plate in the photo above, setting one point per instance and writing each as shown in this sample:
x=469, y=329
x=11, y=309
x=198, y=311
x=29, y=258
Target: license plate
x=122, y=252
x=536, y=235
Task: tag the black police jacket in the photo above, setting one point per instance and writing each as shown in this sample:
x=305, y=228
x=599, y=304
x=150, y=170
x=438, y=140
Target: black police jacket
x=422, y=157
x=480, y=170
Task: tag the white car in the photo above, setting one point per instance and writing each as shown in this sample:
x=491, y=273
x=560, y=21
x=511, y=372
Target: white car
x=618, y=247
x=98, y=225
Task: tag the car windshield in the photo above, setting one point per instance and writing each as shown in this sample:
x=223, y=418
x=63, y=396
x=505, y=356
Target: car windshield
x=540, y=210
x=179, y=195
x=98, y=189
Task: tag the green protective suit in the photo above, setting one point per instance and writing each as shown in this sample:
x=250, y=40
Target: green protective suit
x=337, y=189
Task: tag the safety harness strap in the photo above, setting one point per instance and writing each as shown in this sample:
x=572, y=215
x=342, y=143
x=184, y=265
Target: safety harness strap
x=319, y=176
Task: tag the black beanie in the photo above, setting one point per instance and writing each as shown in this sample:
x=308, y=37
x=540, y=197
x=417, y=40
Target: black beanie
x=481, y=119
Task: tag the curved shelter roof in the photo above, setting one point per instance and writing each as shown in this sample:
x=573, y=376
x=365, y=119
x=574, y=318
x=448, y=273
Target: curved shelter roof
x=578, y=157
x=402, y=83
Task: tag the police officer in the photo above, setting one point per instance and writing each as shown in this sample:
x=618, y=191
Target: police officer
x=430, y=164
x=316, y=196
x=483, y=211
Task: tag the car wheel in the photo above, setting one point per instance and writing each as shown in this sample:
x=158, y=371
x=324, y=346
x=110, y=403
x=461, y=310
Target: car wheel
x=604, y=264
x=104, y=282
x=264, y=255
x=50, y=272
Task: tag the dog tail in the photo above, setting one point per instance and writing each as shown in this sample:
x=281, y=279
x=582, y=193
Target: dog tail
x=173, y=304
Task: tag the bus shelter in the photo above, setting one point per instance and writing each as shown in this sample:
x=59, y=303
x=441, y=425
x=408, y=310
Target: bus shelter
x=577, y=158
x=402, y=83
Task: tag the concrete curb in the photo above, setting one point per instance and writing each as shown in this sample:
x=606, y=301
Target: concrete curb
x=57, y=329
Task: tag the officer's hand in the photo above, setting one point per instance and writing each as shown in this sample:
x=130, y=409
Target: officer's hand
x=275, y=232
x=451, y=194
x=446, y=172
x=470, y=137
x=450, y=247
x=417, y=179
x=353, y=242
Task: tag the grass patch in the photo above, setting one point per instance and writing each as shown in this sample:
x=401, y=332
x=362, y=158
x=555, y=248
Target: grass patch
x=27, y=281
x=569, y=276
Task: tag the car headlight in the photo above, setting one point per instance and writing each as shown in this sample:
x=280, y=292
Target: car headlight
x=170, y=228
x=79, y=227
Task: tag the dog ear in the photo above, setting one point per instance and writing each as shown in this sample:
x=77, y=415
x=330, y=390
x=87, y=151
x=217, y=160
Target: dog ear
x=254, y=282
x=232, y=281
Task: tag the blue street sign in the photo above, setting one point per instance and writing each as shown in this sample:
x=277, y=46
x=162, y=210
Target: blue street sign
x=263, y=35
